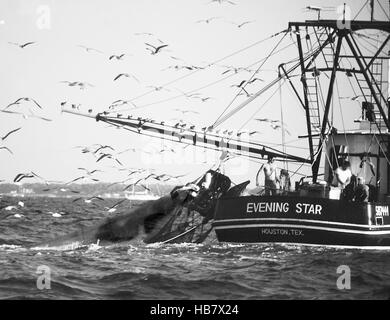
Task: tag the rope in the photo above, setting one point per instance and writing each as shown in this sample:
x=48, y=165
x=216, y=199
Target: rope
x=253, y=97
x=384, y=11
x=198, y=89
x=257, y=111
x=285, y=165
x=361, y=9
x=211, y=64
x=243, y=87
x=342, y=116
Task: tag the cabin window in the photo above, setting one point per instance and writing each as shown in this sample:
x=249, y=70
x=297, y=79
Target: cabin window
x=379, y=221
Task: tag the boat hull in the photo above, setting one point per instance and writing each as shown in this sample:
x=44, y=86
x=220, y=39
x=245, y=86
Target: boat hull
x=300, y=220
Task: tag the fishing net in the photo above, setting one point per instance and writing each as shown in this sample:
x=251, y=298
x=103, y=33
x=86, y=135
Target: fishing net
x=192, y=221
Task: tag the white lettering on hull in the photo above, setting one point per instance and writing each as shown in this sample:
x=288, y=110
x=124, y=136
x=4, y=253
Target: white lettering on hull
x=282, y=232
x=264, y=207
x=382, y=211
x=283, y=207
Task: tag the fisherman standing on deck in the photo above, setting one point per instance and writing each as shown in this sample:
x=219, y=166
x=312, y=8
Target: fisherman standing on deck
x=271, y=178
x=343, y=175
x=362, y=191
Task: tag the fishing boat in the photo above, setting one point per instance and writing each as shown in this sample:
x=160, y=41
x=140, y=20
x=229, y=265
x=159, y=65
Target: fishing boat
x=313, y=211
x=140, y=195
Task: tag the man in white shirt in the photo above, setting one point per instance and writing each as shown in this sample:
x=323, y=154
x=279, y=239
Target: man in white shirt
x=343, y=175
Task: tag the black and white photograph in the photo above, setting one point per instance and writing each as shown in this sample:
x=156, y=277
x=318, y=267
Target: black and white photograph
x=217, y=151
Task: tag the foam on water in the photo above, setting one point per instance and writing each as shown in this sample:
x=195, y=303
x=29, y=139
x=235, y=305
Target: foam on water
x=134, y=270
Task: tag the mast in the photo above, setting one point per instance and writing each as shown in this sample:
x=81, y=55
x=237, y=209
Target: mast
x=342, y=35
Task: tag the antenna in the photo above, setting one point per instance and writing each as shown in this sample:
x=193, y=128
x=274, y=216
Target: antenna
x=372, y=6
x=344, y=15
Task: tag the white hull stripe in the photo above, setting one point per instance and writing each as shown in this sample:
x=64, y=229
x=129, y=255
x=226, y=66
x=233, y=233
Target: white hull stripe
x=318, y=245
x=295, y=226
x=301, y=220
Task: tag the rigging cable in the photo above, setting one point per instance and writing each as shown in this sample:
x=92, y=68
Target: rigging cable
x=282, y=123
x=260, y=92
x=384, y=11
x=243, y=87
x=211, y=64
x=342, y=116
x=200, y=88
x=361, y=9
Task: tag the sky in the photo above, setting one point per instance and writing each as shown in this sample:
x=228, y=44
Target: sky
x=52, y=149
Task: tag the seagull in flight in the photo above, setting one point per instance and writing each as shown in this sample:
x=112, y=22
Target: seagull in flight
x=89, y=200
x=186, y=111
x=275, y=124
x=156, y=88
x=268, y=120
x=109, y=156
x=240, y=25
x=81, y=85
x=166, y=177
x=6, y=148
x=89, y=172
x=254, y=80
x=26, y=115
x=127, y=75
x=121, y=102
x=114, y=207
x=241, y=87
x=89, y=49
x=207, y=20
x=23, y=45
x=82, y=178
x=9, y=133
x=222, y=1
x=137, y=183
x=144, y=34
x=101, y=147
x=18, y=101
x=154, y=50
x=117, y=57
x=22, y=176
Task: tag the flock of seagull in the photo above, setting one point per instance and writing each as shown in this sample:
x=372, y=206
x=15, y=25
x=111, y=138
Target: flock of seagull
x=27, y=107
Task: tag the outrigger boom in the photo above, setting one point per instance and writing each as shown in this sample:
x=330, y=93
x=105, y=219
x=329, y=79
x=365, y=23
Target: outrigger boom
x=193, y=137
